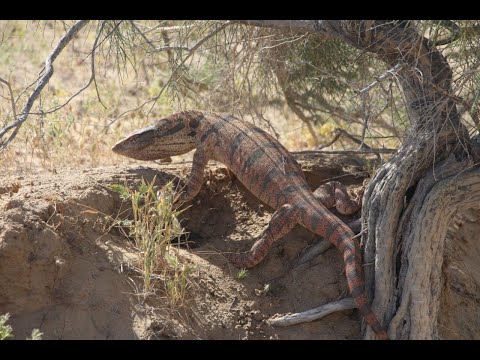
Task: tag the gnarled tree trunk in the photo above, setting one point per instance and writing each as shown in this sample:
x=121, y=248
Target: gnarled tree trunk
x=410, y=201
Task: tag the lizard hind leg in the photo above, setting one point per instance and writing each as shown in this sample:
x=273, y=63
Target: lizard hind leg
x=283, y=220
x=334, y=194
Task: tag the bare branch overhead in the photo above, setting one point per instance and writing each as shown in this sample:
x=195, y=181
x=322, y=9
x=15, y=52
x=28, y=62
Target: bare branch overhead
x=47, y=74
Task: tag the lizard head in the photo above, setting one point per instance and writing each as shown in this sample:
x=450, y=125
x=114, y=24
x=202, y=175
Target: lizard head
x=173, y=135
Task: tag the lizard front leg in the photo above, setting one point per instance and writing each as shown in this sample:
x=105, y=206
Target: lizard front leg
x=283, y=220
x=195, y=180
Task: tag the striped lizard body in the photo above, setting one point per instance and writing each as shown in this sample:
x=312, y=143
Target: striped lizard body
x=266, y=168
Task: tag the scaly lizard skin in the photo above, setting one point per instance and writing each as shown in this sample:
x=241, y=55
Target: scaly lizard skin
x=266, y=168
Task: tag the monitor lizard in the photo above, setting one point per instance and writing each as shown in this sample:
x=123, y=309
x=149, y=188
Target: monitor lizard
x=267, y=170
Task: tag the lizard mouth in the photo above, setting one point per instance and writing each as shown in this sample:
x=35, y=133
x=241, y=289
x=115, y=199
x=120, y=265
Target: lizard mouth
x=117, y=146
x=135, y=143
x=139, y=150
x=125, y=148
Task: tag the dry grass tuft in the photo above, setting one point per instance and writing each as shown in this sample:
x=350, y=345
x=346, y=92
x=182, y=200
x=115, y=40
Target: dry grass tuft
x=154, y=226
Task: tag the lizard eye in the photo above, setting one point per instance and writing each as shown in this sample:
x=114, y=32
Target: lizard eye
x=193, y=123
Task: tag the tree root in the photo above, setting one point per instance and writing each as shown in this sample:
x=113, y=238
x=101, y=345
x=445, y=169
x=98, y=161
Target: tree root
x=312, y=314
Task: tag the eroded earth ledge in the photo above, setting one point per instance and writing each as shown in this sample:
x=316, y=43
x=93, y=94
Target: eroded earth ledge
x=64, y=270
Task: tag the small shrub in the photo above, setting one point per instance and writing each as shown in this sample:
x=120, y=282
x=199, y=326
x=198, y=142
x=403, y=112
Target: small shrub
x=242, y=274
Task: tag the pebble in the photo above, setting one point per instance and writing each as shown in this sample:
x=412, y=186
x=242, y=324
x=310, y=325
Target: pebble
x=257, y=315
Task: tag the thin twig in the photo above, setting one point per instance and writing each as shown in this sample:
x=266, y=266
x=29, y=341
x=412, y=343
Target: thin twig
x=293, y=25
x=155, y=99
x=341, y=132
x=346, y=152
x=331, y=142
x=27, y=88
x=93, y=64
x=92, y=79
x=166, y=41
x=169, y=28
x=12, y=99
x=290, y=97
x=41, y=83
x=190, y=53
x=338, y=111
x=117, y=24
x=169, y=48
x=389, y=73
x=367, y=114
x=147, y=40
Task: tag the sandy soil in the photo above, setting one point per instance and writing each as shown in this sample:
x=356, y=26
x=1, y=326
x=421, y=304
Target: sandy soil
x=63, y=270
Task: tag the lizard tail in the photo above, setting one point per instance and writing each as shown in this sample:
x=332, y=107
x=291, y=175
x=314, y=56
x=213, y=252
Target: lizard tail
x=340, y=235
x=356, y=285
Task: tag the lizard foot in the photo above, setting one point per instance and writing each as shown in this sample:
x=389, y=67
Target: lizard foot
x=243, y=260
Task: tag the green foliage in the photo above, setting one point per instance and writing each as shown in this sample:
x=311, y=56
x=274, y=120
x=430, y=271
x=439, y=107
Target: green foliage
x=121, y=43
x=316, y=68
x=122, y=190
x=242, y=274
x=460, y=44
x=5, y=330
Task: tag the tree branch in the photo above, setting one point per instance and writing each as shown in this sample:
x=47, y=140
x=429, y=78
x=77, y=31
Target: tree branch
x=347, y=152
x=298, y=25
x=92, y=79
x=389, y=73
x=47, y=74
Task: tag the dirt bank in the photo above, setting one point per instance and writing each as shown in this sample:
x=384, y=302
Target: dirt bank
x=65, y=271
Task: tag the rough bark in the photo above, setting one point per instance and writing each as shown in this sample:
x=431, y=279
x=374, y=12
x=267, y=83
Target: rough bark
x=422, y=242
x=405, y=232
